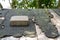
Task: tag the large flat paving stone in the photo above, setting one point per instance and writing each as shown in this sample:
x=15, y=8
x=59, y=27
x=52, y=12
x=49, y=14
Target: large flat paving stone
x=19, y=30
x=39, y=14
x=46, y=25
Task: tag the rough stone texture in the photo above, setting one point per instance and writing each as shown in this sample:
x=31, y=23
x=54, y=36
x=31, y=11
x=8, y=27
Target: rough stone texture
x=2, y=15
x=51, y=31
x=19, y=20
x=46, y=26
x=42, y=19
x=13, y=31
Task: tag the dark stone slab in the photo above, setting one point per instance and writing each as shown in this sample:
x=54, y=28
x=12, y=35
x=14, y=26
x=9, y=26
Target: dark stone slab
x=51, y=31
x=46, y=26
x=57, y=11
x=41, y=18
x=3, y=14
x=14, y=31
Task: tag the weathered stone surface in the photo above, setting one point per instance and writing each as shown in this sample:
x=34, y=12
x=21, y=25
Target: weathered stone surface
x=19, y=20
x=30, y=34
x=41, y=17
x=15, y=30
x=51, y=31
x=1, y=19
x=18, y=35
x=1, y=22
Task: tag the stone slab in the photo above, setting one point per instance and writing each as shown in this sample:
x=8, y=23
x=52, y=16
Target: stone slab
x=8, y=30
x=19, y=20
x=39, y=14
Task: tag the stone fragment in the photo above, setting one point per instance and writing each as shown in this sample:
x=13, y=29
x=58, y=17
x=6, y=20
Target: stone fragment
x=19, y=20
x=51, y=31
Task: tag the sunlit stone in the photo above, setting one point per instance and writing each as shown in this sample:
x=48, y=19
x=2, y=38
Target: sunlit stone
x=19, y=20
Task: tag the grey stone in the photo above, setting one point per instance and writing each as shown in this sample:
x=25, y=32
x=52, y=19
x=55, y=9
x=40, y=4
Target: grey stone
x=9, y=30
x=51, y=31
x=17, y=35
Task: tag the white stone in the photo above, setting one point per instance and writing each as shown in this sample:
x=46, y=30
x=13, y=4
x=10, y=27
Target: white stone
x=51, y=39
x=42, y=37
x=19, y=20
x=28, y=38
x=2, y=18
x=22, y=38
x=58, y=38
x=10, y=38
